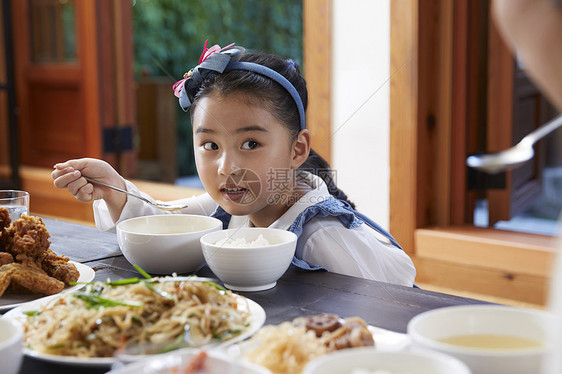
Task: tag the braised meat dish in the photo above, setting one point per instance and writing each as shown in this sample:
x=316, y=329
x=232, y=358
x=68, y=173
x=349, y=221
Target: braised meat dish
x=27, y=264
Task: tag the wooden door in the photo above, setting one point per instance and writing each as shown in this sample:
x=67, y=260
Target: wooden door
x=9, y=172
x=74, y=81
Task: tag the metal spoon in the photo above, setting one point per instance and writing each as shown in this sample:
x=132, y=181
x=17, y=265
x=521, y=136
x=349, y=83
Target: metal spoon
x=515, y=156
x=155, y=204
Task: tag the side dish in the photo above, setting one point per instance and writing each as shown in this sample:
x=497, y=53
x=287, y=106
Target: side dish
x=167, y=313
x=27, y=264
x=288, y=347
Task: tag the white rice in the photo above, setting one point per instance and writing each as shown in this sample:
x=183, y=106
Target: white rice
x=242, y=242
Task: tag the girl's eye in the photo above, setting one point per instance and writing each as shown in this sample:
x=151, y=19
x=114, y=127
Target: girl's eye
x=250, y=144
x=210, y=146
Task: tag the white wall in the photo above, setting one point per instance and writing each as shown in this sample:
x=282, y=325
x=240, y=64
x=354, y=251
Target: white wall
x=360, y=103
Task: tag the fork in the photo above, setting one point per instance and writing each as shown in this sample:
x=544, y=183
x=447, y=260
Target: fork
x=155, y=204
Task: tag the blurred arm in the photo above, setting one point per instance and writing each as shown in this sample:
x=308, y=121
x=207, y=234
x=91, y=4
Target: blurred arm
x=533, y=28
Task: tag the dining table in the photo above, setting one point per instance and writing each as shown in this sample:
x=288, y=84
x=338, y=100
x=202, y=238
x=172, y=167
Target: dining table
x=297, y=293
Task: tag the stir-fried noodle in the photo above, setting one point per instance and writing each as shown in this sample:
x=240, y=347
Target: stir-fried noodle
x=103, y=318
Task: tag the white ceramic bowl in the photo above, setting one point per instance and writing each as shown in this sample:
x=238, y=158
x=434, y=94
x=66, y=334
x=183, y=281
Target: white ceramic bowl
x=427, y=329
x=167, y=243
x=247, y=268
x=11, y=347
x=371, y=360
x=177, y=361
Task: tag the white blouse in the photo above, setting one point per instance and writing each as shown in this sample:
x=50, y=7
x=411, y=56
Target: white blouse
x=359, y=252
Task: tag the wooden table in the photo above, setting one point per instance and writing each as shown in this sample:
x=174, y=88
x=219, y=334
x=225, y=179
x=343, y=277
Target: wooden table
x=296, y=294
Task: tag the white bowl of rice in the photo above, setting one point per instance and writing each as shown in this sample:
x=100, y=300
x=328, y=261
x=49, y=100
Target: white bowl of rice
x=251, y=258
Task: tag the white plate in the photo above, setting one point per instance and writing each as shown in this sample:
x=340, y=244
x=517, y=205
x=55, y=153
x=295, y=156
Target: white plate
x=177, y=361
x=257, y=318
x=389, y=341
x=10, y=300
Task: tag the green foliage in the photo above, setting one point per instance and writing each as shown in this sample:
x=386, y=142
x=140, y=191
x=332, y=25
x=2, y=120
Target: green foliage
x=169, y=36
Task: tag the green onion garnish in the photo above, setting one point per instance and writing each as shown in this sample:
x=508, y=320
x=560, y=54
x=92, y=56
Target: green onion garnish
x=217, y=286
x=225, y=334
x=159, y=292
x=57, y=346
x=141, y=270
x=32, y=313
x=122, y=282
x=96, y=302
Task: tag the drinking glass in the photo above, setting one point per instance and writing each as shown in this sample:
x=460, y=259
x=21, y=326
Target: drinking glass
x=16, y=202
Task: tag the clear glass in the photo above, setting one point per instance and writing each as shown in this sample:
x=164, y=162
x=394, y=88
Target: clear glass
x=16, y=202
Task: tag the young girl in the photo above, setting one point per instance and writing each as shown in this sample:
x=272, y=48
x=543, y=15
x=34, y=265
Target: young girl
x=252, y=153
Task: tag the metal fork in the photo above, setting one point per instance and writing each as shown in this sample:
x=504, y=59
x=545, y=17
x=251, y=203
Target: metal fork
x=155, y=204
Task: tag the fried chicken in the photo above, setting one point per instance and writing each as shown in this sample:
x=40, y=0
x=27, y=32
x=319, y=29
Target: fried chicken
x=27, y=264
x=5, y=221
x=30, y=279
x=28, y=240
x=6, y=258
x=58, y=267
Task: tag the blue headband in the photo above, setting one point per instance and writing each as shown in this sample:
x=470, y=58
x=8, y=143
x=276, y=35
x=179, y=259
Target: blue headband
x=221, y=62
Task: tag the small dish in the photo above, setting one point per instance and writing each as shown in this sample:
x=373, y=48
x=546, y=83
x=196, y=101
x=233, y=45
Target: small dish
x=189, y=361
x=11, y=354
x=372, y=361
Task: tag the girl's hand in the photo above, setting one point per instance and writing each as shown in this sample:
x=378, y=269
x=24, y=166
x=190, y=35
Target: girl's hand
x=69, y=175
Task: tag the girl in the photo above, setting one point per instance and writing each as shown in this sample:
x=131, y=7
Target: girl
x=252, y=153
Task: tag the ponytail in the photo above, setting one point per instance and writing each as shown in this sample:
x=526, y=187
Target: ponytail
x=315, y=164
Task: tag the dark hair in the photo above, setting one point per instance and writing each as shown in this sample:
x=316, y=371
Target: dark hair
x=260, y=89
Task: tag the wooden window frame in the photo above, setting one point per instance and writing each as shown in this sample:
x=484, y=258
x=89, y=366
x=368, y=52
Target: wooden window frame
x=428, y=196
x=317, y=56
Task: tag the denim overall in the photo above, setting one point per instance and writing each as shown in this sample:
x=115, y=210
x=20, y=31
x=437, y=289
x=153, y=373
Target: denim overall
x=349, y=217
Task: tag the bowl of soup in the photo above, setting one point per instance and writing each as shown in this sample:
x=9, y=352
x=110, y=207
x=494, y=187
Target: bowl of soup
x=165, y=243
x=488, y=338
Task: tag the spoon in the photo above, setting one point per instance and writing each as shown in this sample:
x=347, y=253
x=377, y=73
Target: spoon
x=515, y=156
x=155, y=204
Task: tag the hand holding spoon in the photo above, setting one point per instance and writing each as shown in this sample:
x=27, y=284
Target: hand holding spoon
x=515, y=156
x=155, y=204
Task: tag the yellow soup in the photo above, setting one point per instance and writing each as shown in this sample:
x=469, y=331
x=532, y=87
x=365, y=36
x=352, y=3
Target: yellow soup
x=490, y=341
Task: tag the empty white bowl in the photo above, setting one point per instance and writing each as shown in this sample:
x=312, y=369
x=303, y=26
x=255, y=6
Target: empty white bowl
x=166, y=243
x=371, y=360
x=11, y=348
x=428, y=329
x=249, y=268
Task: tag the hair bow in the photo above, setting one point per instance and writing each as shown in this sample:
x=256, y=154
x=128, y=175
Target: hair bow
x=219, y=60
x=178, y=86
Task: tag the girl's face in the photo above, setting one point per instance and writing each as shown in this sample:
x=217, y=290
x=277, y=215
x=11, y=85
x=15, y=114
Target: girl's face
x=245, y=157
